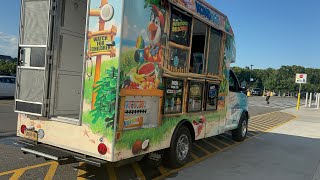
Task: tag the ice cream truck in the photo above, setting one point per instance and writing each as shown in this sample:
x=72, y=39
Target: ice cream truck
x=112, y=80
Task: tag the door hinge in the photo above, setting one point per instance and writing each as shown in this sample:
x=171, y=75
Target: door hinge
x=50, y=55
x=53, y=9
x=47, y=104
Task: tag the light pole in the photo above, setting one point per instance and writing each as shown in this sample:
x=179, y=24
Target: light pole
x=250, y=76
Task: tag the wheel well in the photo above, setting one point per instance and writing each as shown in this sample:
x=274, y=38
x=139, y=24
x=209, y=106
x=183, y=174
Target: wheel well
x=189, y=126
x=246, y=114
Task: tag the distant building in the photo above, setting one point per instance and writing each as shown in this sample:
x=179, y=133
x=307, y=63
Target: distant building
x=4, y=57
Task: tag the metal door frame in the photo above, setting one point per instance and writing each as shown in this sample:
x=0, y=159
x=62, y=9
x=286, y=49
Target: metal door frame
x=47, y=63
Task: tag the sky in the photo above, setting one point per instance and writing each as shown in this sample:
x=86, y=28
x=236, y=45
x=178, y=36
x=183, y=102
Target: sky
x=269, y=33
x=272, y=33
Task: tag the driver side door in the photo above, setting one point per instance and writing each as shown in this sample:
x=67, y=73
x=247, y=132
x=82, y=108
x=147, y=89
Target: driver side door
x=236, y=101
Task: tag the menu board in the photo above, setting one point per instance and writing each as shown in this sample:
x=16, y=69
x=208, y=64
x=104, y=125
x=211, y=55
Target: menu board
x=141, y=112
x=212, y=97
x=195, y=96
x=173, y=96
x=180, y=28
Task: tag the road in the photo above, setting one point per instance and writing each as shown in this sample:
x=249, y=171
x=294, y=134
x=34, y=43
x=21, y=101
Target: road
x=258, y=105
x=8, y=119
x=15, y=164
x=288, y=152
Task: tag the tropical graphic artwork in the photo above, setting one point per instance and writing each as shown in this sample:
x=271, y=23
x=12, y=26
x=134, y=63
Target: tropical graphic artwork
x=102, y=56
x=141, y=64
x=142, y=56
x=126, y=99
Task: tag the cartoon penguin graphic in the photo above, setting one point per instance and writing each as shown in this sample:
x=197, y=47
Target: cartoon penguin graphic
x=153, y=52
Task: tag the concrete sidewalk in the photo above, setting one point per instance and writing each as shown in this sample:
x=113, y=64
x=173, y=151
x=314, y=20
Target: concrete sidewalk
x=289, y=152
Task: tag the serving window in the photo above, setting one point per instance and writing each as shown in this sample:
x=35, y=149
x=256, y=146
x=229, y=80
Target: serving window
x=195, y=96
x=198, y=46
x=173, y=96
x=214, y=51
x=212, y=96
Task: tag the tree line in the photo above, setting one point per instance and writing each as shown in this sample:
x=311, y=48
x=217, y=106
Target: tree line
x=282, y=79
x=8, y=67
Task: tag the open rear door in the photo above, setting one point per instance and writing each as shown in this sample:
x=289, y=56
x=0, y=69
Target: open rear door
x=33, y=66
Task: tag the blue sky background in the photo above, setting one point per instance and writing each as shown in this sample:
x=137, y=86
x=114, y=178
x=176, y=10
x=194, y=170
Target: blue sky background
x=269, y=33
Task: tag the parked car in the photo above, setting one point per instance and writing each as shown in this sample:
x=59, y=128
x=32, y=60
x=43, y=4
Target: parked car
x=7, y=86
x=256, y=92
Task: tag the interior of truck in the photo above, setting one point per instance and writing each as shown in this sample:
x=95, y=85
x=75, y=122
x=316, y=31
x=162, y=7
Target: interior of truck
x=197, y=59
x=68, y=54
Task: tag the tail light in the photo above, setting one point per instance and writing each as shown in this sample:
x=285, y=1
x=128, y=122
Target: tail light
x=23, y=128
x=102, y=149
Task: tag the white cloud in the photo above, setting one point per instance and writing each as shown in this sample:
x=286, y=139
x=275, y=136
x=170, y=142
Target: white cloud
x=8, y=44
x=125, y=27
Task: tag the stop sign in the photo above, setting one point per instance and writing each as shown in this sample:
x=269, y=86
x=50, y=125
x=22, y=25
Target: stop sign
x=301, y=75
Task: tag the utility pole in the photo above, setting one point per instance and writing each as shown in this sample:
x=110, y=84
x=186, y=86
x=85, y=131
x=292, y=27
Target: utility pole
x=250, y=75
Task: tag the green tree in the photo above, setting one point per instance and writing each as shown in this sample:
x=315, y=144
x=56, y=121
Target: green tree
x=8, y=67
x=282, y=79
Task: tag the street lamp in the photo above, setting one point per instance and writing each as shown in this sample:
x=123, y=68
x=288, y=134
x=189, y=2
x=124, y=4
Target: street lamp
x=250, y=76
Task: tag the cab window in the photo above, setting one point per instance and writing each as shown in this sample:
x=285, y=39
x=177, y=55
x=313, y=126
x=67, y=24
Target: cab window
x=233, y=83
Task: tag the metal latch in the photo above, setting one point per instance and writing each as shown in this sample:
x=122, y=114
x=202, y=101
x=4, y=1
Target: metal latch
x=53, y=8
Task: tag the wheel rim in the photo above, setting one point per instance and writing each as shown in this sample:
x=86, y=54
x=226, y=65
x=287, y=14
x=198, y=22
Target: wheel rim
x=182, y=147
x=244, y=128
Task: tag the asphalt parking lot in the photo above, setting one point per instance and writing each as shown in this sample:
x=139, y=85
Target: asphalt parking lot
x=15, y=165
x=8, y=123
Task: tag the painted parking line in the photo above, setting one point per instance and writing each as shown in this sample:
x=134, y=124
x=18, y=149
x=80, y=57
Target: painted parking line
x=138, y=171
x=81, y=172
x=194, y=156
x=17, y=173
x=211, y=144
x=162, y=169
x=200, y=159
x=221, y=142
x=216, y=144
x=111, y=172
x=52, y=170
x=203, y=149
x=255, y=127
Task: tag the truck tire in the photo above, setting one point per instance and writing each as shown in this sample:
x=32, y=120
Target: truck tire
x=178, y=153
x=240, y=133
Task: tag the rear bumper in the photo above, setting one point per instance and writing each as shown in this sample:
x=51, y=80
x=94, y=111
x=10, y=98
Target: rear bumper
x=58, y=154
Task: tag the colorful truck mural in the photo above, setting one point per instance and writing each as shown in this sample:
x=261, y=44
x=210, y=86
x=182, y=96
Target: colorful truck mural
x=138, y=85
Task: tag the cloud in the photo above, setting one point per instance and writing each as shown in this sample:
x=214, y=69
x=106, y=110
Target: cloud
x=132, y=31
x=8, y=44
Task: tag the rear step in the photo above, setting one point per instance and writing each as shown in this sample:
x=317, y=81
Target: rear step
x=47, y=152
x=60, y=155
